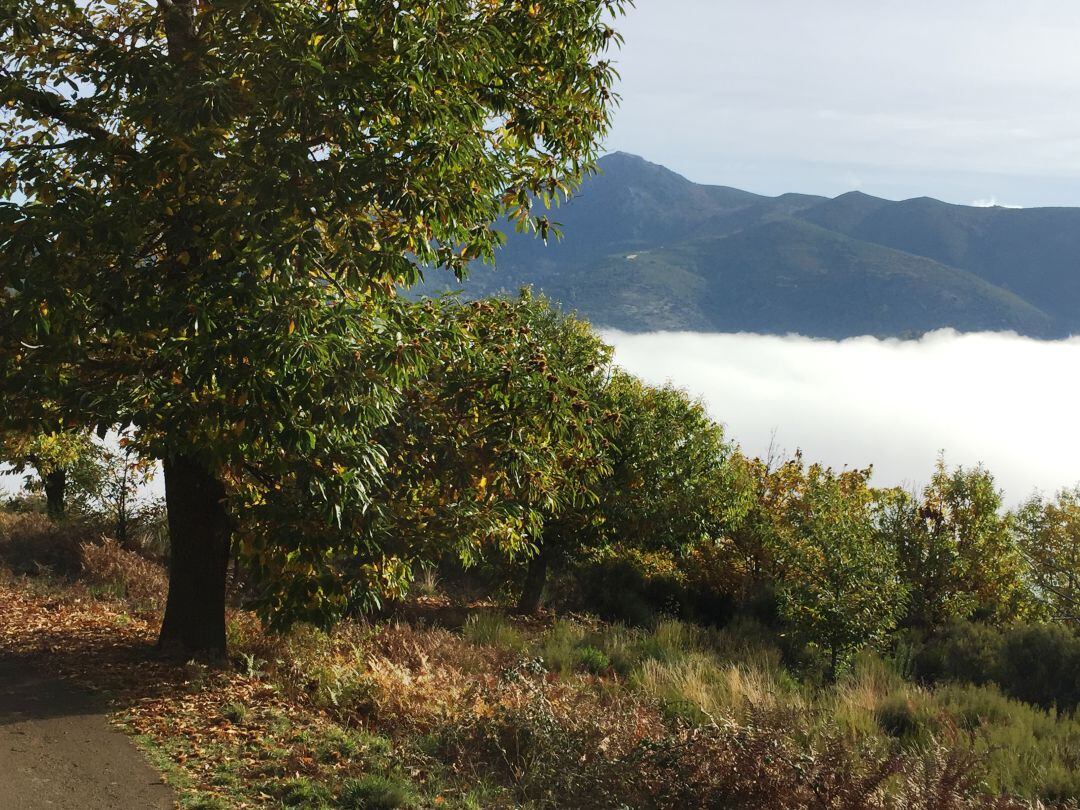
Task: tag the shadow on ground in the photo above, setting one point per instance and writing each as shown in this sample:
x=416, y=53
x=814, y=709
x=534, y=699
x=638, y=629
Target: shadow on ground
x=57, y=749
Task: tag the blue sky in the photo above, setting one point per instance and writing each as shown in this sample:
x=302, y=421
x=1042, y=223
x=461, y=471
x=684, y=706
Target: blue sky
x=964, y=100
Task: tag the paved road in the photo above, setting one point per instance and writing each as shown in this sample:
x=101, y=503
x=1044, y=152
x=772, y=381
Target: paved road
x=58, y=752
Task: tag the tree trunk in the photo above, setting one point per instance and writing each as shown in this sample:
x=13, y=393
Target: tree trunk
x=200, y=533
x=55, y=485
x=532, y=592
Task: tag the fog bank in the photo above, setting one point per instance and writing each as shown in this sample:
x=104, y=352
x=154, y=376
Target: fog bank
x=1007, y=401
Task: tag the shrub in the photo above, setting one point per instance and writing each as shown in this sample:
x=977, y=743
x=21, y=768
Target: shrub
x=633, y=588
x=968, y=652
x=375, y=792
x=1037, y=663
x=1040, y=664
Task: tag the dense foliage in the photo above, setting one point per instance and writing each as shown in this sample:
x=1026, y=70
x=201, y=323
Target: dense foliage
x=64, y=463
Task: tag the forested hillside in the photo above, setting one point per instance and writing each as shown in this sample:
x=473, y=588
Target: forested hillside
x=645, y=249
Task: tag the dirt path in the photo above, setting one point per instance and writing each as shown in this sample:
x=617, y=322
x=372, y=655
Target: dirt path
x=58, y=752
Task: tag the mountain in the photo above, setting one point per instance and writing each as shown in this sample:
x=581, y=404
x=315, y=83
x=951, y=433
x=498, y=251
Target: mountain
x=646, y=249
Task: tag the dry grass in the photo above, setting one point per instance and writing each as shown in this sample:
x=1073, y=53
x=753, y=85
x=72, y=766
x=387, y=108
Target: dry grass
x=698, y=688
x=126, y=574
x=32, y=545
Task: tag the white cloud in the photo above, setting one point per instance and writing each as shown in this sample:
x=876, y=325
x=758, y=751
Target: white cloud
x=992, y=202
x=1007, y=401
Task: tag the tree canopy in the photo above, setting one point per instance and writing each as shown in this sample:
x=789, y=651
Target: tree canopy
x=1049, y=537
x=957, y=550
x=64, y=462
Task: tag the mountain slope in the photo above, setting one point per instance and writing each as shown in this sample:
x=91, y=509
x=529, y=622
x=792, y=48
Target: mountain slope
x=647, y=249
x=790, y=276
x=1033, y=252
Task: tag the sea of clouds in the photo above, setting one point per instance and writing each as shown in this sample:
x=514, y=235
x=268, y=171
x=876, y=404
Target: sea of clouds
x=1009, y=402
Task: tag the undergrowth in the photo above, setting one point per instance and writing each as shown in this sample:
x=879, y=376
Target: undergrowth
x=573, y=713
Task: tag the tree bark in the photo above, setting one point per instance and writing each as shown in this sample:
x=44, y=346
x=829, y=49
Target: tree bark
x=200, y=533
x=55, y=486
x=532, y=593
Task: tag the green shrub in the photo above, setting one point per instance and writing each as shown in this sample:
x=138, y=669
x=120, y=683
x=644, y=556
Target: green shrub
x=375, y=792
x=621, y=590
x=967, y=652
x=1037, y=663
x=593, y=660
x=1040, y=664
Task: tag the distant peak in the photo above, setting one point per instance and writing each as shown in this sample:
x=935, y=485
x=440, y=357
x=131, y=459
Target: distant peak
x=927, y=200
x=623, y=156
x=859, y=196
x=627, y=160
x=633, y=168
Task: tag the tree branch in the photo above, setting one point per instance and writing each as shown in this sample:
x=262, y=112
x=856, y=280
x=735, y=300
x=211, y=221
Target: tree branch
x=50, y=105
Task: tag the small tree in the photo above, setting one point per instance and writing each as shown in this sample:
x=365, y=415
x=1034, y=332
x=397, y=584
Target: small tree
x=840, y=587
x=123, y=475
x=666, y=487
x=502, y=428
x=958, y=551
x=1049, y=537
x=62, y=461
x=742, y=562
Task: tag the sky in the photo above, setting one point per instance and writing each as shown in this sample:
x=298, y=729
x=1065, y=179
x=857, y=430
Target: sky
x=968, y=101
x=991, y=398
